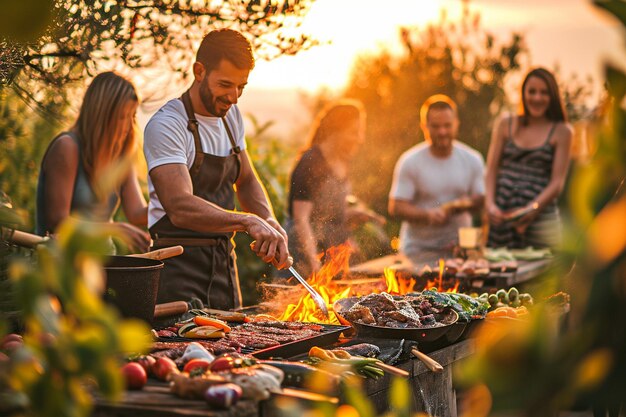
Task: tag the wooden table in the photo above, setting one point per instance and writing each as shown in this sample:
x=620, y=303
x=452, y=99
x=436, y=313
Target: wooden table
x=155, y=400
x=431, y=392
x=526, y=271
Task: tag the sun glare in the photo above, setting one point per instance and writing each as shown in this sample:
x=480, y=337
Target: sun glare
x=346, y=29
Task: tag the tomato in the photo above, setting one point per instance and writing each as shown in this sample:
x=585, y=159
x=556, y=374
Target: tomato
x=198, y=364
x=222, y=363
x=11, y=342
x=163, y=367
x=147, y=362
x=11, y=346
x=134, y=375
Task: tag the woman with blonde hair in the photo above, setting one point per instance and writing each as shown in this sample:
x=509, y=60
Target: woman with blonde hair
x=527, y=165
x=80, y=171
x=320, y=208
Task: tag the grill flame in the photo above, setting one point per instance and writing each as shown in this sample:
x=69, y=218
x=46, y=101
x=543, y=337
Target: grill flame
x=331, y=290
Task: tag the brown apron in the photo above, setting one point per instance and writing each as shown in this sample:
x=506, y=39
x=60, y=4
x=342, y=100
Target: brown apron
x=207, y=268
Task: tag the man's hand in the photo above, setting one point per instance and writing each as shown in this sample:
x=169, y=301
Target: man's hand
x=137, y=240
x=437, y=216
x=274, y=223
x=270, y=244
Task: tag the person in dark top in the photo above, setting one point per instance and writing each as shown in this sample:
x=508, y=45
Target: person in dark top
x=527, y=166
x=78, y=170
x=319, y=196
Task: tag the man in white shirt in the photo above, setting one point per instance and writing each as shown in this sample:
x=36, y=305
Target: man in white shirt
x=436, y=184
x=198, y=164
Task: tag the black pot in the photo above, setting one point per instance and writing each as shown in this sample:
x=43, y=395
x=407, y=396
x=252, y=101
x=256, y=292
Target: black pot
x=132, y=285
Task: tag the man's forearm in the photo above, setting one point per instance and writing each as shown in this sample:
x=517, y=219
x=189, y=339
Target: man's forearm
x=197, y=214
x=253, y=199
x=405, y=210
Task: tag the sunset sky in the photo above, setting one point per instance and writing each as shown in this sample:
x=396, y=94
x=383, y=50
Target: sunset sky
x=572, y=34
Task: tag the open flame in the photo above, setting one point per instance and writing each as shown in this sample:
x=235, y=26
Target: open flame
x=397, y=283
x=437, y=283
x=305, y=310
x=331, y=290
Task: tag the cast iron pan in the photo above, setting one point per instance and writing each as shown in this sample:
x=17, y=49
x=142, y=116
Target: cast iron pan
x=428, y=334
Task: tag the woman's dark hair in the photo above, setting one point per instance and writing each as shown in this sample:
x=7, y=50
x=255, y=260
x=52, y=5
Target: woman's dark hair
x=225, y=44
x=335, y=116
x=556, y=110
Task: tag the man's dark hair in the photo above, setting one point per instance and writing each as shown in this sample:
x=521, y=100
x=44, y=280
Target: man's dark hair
x=225, y=44
x=436, y=102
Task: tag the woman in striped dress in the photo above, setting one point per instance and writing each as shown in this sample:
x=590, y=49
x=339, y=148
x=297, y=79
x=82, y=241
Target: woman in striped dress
x=527, y=165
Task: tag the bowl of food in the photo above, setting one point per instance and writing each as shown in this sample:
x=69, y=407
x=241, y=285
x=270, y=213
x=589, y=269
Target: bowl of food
x=388, y=317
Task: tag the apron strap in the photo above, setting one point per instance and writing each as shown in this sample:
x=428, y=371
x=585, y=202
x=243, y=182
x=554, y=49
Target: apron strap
x=236, y=149
x=192, y=126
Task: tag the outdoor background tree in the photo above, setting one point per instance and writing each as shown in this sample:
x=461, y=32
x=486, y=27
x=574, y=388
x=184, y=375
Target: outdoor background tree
x=84, y=37
x=42, y=69
x=459, y=59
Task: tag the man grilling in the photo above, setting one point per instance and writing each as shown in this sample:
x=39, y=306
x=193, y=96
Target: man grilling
x=197, y=162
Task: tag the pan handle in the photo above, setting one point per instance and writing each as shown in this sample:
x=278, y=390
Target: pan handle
x=161, y=254
x=429, y=362
x=25, y=239
x=174, y=308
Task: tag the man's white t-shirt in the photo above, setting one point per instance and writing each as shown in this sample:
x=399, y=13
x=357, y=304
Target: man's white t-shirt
x=428, y=182
x=168, y=141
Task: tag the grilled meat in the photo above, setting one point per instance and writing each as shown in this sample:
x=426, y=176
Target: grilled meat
x=362, y=349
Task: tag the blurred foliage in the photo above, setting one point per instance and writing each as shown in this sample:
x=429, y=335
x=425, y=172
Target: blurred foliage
x=357, y=403
x=83, y=37
x=272, y=160
x=73, y=342
x=547, y=364
x=24, y=137
x=459, y=59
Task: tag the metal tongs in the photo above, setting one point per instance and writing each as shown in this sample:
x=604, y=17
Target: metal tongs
x=314, y=294
x=317, y=298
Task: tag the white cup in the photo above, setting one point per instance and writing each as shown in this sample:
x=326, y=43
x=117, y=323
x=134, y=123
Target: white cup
x=469, y=237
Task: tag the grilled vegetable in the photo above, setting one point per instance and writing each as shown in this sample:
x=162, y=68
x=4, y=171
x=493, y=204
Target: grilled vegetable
x=204, y=332
x=208, y=321
x=364, y=366
x=223, y=395
x=185, y=328
x=300, y=375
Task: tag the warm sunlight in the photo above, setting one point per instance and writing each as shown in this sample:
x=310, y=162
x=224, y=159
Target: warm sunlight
x=353, y=27
x=349, y=27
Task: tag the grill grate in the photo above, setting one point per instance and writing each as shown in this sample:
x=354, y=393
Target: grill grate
x=328, y=335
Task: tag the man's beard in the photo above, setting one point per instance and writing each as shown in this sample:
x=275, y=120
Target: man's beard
x=209, y=101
